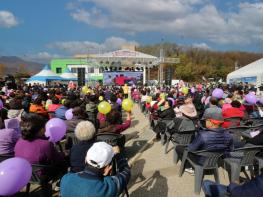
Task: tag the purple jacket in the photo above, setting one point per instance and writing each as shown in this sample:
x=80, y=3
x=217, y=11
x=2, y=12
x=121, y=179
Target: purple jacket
x=8, y=139
x=39, y=151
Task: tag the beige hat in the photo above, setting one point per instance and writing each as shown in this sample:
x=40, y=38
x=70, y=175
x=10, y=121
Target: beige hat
x=188, y=110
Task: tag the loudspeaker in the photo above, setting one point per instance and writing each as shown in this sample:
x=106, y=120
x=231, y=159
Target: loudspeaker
x=81, y=76
x=169, y=75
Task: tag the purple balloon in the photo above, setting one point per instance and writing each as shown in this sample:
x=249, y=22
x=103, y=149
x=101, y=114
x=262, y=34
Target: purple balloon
x=251, y=99
x=55, y=129
x=1, y=104
x=261, y=100
x=192, y=90
x=171, y=99
x=15, y=173
x=119, y=101
x=218, y=93
x=69, y=114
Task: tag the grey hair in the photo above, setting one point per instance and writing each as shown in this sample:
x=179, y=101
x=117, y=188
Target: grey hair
x=85, y=130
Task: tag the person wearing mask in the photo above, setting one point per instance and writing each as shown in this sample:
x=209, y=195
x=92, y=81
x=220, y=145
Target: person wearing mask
x=96, y=179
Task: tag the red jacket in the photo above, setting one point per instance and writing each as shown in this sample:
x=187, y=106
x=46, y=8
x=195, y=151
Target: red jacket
x=231, y=113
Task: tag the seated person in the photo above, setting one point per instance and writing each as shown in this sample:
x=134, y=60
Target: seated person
x=78, y=116
x=253, y=187
x=34, y=146
x=166, y=111
x=15, y=108
x=54, y=105
x=233, y=112
x=211, y=138
x=85, y=133
x=112, y=120
x=60, y=112
x=213, y=108
x=38, y=108
x=8, y=137
x=95, y=180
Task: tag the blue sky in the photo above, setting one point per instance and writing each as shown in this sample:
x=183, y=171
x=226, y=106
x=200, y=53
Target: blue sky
x=41, y=30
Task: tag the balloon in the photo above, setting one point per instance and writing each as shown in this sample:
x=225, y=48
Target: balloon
x=55, y=129
x=104, y=107
x=119, y=101
x=185, y=90
x=162, y=96
x=149, y=99
x=100, y=98
x=84, y=89
x=127, y=104
x=69, y=114
x=261, y=100
x=218, y=93
x=1, y=104
x=15, y=173
x=251, y=99
x=171, y=99
x=192, y=90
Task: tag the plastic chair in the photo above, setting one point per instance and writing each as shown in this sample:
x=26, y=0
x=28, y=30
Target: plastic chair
x=182, y=138
x=234, y=121
x=210, y=163
x=239, y=158
x=236, y=132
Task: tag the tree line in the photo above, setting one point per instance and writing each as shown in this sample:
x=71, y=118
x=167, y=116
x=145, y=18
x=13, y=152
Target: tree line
x=196, y=63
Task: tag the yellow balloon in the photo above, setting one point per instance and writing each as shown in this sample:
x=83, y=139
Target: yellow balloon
x=162, y=96
x=149, y=99
x=104, y=107
x=101, y=98
x=127, y=104
x=84, y=89
x=185, y=90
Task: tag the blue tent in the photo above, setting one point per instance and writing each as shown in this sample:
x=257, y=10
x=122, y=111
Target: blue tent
x=44, y=76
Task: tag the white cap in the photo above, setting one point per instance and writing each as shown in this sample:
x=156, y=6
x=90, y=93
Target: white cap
x=99, y=155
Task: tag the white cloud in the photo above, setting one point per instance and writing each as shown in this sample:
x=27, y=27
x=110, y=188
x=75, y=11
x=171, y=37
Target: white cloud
x=7, y=19
x=43, y=57
x=202, y=45
x=74, y=47
x=196, y=19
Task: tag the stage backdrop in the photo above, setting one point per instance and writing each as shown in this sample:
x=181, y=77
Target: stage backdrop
x=120, y=78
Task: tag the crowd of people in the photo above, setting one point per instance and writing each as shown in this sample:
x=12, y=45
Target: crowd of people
x=85, y=166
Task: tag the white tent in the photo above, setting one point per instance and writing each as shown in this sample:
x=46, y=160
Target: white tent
x=44, y=76
x=68, y=76
x=251, y=73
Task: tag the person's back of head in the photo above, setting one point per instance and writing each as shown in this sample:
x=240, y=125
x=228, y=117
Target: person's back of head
x=213, y=101
x=55, y=100
x=79, y=112
x=85, y=131
x=236, y=104
x=31, y=126
x=113, y=117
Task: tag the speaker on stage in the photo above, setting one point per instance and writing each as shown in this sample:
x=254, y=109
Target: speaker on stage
x=81, y=76
x=169, y=75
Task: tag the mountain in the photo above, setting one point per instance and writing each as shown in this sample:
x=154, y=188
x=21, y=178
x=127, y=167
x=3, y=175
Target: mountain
x=13, y=64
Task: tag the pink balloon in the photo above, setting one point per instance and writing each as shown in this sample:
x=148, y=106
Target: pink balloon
x=251, y=99
x=55, y=129
x=15, y=173
x=69, y=114
x=218, y=93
